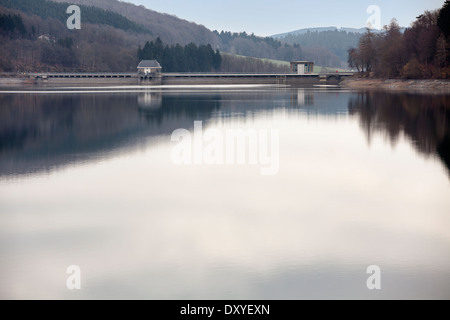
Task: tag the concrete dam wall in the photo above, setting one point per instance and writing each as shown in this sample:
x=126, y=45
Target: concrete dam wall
x=102, y=79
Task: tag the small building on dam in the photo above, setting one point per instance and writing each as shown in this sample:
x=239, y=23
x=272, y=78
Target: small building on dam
x=302, y=67
x=149, y=72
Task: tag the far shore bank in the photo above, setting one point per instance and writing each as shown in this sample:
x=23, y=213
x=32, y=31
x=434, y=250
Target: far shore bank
x=438, y=86
x=13, y=81
x=396, y=84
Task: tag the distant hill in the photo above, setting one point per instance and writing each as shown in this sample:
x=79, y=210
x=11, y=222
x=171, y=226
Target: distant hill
x=323, y=29
x=259, y=47
x=326, y=46
x=320, y=29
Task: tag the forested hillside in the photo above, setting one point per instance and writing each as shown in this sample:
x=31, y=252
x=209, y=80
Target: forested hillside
x=115, y=35
x=30, y=43
x=327, y=48
x=110, y=36
x=173, y=30
x=170, y=29
x=253, y=46
x=48, y=9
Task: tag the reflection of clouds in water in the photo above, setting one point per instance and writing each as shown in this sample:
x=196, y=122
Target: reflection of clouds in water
x=141, y=227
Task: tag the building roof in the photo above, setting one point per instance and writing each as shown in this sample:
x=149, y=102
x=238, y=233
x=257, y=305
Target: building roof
x=302, y=62
x=149, y=64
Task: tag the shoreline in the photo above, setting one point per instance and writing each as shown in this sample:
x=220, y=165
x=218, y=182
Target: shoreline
x=129, y=79
x=428, y=85
x=13, y=81
x=397, y=84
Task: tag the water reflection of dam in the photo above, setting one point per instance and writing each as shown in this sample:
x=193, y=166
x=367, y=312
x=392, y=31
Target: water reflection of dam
x=149, y=100
x=302, y=97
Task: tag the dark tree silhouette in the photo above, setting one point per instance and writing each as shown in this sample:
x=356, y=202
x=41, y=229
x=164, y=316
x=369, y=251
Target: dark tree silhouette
x=422, y=51
x=191, y=58
x=443, y=21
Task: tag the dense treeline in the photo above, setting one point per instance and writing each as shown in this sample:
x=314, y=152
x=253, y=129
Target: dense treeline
x=193, y=58
x=327, y=48
x=46, y=9
x=422, y=51
x=177, y=58
x=12, y=26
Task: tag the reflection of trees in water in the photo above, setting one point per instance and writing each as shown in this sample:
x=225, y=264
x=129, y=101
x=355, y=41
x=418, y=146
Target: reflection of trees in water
x=48, y=122
x=176, y=109
x=40, y=132
x=425, y=119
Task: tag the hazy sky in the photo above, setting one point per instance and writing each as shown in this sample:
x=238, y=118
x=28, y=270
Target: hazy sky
x=268, y=17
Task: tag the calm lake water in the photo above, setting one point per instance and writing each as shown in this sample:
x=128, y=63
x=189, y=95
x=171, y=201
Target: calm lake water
x=93, y=179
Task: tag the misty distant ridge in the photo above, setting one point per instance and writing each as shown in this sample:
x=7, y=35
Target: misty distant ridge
x=322, y=29
x=327, y=46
